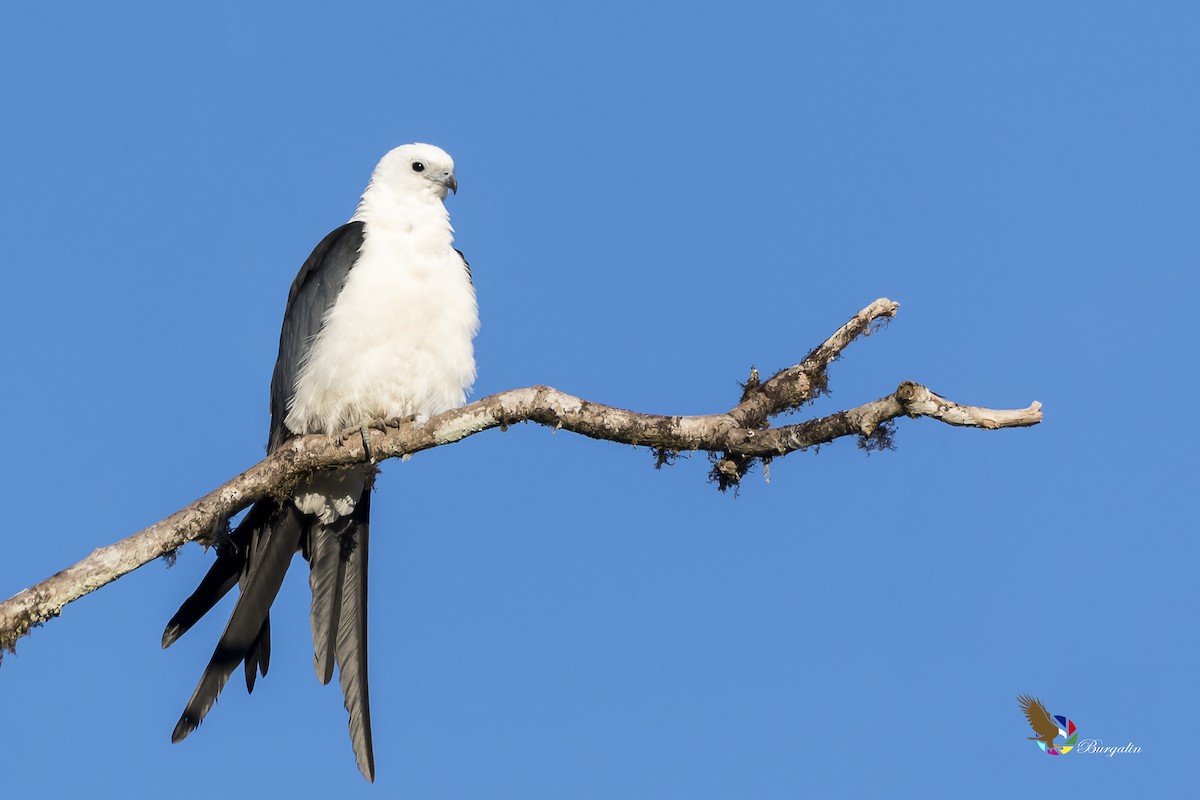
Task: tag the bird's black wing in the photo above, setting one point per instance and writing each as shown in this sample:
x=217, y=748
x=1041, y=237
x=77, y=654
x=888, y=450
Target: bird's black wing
x=466, y=264
x=314, y=290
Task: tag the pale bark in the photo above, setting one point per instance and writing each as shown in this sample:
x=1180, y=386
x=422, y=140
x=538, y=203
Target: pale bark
x=737, y=438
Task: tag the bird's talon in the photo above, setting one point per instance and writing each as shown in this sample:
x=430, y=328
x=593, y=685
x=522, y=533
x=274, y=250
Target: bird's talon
x=365, y=431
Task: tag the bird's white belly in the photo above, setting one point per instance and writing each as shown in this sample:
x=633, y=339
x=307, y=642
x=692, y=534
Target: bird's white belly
x=396, y=343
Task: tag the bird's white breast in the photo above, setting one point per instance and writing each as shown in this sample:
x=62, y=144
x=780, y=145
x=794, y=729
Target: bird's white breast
x=397, y=341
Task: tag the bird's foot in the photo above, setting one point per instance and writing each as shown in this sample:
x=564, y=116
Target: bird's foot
x=364, y=430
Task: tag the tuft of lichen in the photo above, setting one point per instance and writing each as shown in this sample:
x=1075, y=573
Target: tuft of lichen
x=22, y=625
x=664, y=457
x=882, y=438
x=878, y=324
x=728, y=470
x=820, y=385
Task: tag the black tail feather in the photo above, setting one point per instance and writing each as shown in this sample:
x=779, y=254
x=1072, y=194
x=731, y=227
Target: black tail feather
x=221, y=576
x=270, y=554
x=259, y=656
x=326, y=575
x=352, y=638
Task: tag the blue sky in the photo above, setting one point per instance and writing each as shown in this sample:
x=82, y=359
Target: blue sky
x=653, y=198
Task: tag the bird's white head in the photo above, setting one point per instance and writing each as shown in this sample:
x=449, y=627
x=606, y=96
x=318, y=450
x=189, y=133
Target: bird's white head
x=416, y=170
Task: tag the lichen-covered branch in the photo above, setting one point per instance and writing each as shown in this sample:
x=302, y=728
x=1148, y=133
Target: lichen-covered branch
x=738, y=437
x=796, y=385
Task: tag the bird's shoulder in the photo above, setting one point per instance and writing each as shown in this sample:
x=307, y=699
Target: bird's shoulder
x=466, y=264
x=331, y=260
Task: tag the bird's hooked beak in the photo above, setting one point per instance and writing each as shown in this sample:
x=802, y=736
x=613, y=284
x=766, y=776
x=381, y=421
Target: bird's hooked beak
x=450, y=182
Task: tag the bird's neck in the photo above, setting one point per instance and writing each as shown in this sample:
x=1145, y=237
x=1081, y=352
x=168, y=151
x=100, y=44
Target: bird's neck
x=421, y=208
x=397, y=223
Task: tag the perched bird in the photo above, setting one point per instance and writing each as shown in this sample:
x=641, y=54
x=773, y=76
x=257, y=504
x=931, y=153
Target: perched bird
x=1040, y=720
x=378, y=328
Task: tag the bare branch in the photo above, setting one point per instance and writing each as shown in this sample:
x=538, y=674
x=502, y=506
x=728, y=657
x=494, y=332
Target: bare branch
x=741, y=435
x=795, y=386
x=920, y=402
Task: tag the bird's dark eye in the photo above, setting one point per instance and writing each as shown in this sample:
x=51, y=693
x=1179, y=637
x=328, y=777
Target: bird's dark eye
x=418, y=166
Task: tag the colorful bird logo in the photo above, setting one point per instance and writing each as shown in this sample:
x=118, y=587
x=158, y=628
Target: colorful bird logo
x=1048, y=728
